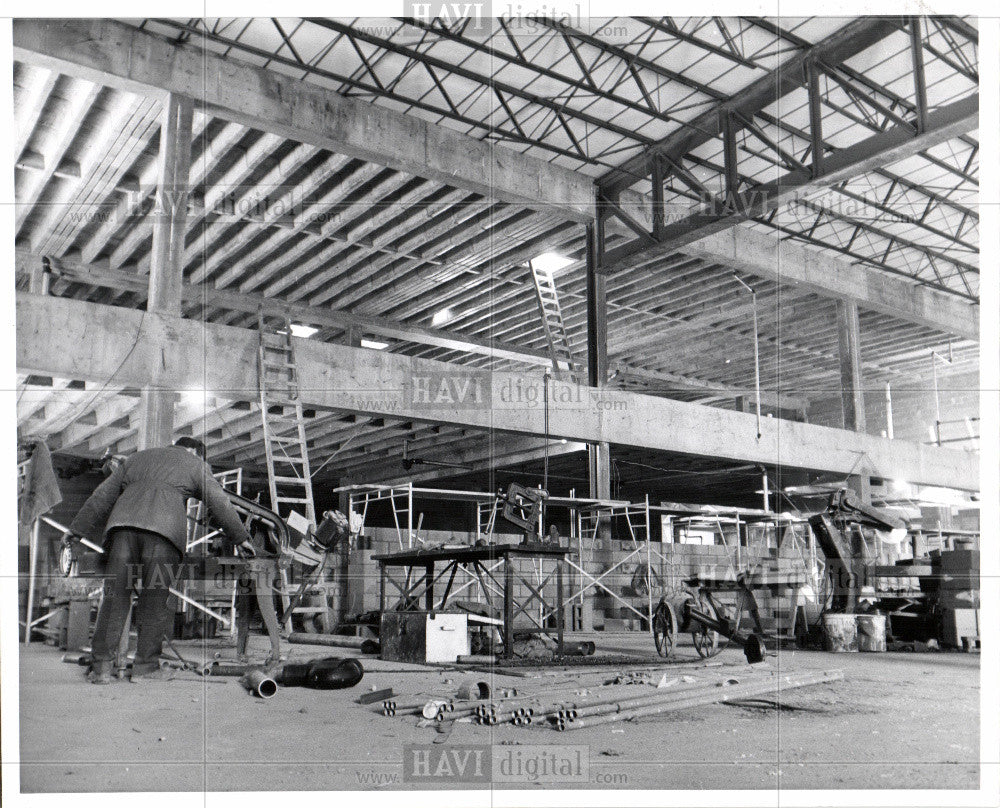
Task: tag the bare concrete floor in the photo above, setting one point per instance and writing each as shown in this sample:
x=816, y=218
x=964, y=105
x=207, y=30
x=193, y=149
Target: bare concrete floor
x=896, y=721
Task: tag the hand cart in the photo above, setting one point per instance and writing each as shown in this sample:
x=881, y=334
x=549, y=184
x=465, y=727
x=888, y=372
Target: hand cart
x=698, y=611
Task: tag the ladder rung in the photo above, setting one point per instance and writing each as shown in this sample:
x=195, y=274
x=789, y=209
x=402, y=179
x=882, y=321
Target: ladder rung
x=280, y=479
x=284, y=439
x=299, y=500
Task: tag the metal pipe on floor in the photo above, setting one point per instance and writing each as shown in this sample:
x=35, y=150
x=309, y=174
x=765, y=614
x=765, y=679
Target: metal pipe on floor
x=781, y=683
x=259, y=683
x=333, y=640
x=575, y=706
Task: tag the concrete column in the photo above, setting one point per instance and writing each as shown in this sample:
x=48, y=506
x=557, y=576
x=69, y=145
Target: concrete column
x=38, y=281
x=849, y=346
x=340, y=596
x=861, y=484
x=599, y=468
x=352, y=337
x=889, y=427
x=156, y=417
x=156, y=408
x=599, y=454
x=170, y=224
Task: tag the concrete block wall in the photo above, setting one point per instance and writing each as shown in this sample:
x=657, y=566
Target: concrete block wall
x=671, y=565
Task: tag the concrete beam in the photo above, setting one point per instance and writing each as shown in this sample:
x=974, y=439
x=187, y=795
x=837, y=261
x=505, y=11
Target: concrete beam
x=128, y=279
x=787, y=262
x=509, y=452
x=112, y=53
x=29, y=265
x=106, y=344
x=665, y=382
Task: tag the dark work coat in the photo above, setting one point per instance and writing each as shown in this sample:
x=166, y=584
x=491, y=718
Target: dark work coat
x=149, y=491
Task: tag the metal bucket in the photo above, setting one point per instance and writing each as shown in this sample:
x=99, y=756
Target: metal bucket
x=840, y=632
x=871, y=632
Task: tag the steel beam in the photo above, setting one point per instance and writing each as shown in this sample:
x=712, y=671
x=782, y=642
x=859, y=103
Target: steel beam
x=880, y=149
x=849, y=41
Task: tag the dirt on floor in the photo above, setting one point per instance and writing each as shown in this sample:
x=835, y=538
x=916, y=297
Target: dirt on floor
x=895, y=721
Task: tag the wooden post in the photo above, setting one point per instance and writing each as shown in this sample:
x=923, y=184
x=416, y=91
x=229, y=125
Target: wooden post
x=508, y=607
x=32, y=569
x=560, y=607
x=429, y=586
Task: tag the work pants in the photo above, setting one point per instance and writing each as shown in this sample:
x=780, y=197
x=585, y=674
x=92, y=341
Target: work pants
x=136, y=558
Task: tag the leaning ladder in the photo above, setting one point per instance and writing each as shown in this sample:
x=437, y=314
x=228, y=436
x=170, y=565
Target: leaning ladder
x=552, y=322
x=288, y=475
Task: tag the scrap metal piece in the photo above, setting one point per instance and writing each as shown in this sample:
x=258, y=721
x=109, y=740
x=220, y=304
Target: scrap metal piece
x=259, y=683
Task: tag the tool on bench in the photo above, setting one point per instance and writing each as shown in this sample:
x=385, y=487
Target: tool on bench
x=523, y=508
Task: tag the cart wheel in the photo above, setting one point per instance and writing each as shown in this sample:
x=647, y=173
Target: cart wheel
x=684, y=601
x=706, y=642
x=66, y=560
x=664, y=629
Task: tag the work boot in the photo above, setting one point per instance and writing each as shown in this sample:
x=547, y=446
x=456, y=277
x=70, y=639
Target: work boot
x=100, y=673
x=146, y=674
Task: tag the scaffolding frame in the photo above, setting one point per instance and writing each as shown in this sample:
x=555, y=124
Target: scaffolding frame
x=231, y=480
x=586, y=517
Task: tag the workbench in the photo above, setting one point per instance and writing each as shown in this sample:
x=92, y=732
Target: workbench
x=481, y=562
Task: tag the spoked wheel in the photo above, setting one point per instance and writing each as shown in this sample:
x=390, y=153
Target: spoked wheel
x=706, y=641
x=664, y=629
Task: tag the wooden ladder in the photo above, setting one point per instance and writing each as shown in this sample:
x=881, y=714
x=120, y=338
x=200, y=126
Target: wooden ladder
x=563, y=361
x=288, y=475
